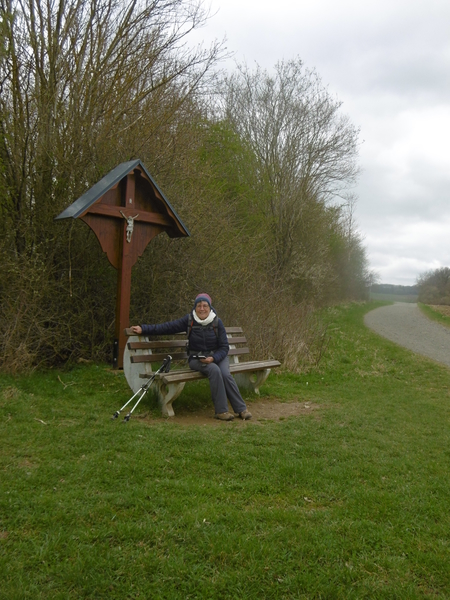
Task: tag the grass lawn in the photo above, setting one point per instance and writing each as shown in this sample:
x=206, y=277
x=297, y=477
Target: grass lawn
x=348, y=501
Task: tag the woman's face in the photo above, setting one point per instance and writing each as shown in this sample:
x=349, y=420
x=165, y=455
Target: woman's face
x=202, y=310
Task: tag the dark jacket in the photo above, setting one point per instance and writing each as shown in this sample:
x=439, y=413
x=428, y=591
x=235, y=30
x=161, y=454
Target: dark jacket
x=202, y=337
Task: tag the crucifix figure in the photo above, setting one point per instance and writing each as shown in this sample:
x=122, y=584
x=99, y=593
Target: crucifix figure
x=130, y=225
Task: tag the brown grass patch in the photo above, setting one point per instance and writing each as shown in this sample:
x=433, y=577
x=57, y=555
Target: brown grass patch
x=443, y=309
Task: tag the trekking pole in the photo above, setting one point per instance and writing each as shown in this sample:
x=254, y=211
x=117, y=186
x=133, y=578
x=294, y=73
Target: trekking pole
x=164, y=368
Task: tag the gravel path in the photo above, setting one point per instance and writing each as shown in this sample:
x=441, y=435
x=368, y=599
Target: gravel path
x=405, y=325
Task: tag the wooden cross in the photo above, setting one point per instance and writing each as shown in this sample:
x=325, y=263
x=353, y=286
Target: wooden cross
x=125, y=210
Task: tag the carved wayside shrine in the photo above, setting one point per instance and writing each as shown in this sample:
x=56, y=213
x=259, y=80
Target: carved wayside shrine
x=126, y=210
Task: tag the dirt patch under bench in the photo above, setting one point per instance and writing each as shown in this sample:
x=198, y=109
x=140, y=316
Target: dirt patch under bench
x=262, y=410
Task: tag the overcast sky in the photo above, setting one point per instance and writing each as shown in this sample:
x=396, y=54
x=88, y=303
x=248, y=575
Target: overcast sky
x=388, y=61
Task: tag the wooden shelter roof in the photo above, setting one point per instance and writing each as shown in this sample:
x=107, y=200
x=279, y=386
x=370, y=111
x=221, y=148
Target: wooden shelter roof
x=94, y=195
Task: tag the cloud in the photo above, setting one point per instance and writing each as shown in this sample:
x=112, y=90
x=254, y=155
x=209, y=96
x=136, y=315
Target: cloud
x=396, y=255
x=389, y=63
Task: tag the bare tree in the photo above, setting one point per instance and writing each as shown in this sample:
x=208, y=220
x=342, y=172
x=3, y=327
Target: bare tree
x=306, y=153
x=434, y=286
x=75, y=76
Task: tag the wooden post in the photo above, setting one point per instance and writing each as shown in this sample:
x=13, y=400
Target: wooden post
x=124, y=278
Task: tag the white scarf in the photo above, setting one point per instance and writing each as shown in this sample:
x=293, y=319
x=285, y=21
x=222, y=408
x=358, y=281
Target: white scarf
x=209, y=319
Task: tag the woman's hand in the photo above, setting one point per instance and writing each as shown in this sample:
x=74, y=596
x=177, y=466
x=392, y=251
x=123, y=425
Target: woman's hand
x=136, y=329
x=207, y=361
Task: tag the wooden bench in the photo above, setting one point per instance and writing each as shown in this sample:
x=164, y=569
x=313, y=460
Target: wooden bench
x=141, y=351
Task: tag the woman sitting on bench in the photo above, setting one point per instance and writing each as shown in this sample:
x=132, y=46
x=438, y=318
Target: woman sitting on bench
x=208, y=353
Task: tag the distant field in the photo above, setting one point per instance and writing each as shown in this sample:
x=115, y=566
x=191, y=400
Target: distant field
x=393, y=297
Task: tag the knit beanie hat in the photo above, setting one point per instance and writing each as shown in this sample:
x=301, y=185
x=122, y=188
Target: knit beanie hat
x=203, y=298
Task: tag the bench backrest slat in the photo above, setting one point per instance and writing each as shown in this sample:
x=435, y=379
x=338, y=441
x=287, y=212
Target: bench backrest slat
x=150, y=358
x=150, y=345
x=157, y=344
x=128, y=331
x=143, y=358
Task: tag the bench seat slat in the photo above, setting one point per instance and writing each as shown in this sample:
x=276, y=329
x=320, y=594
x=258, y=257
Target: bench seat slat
x=177, y=376
x=189, y=375
x=255, y=365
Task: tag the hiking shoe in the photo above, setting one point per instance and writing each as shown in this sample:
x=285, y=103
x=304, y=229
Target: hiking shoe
x=226, y=416
x=245, y=415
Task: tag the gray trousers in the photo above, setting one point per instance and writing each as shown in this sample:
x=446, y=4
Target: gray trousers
x=222, y=385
